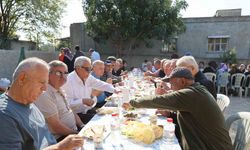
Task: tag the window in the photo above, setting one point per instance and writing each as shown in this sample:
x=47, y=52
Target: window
x=217, y=43
x=169, y=46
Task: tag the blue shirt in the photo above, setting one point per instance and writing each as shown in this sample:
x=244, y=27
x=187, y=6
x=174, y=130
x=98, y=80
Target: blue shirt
x=102, y=96
x=22, y=127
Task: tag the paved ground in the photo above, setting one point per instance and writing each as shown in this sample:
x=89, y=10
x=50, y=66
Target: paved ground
x=237, y=104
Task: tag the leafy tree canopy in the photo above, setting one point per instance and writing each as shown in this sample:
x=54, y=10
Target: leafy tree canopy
x=133, y=20
x=35, y=18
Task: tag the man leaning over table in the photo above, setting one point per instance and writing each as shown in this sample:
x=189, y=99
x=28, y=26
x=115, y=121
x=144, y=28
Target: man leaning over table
x=52, y=103
x=201, y=121
x=22, y=125
x=79, y=86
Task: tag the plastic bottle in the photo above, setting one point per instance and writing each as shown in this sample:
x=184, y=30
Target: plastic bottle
x=115, y=121
x=169, y=130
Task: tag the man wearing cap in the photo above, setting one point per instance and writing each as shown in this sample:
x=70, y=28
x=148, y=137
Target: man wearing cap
x=4, y=84
x=201, y=121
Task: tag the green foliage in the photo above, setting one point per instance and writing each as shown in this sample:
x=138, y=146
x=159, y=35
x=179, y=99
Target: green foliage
x=229, y=56
x=38, y=19
x=133, y=20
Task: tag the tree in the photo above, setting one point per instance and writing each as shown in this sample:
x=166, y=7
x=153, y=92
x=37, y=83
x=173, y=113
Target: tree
x=229, y=56
x=132, y=21
x=36, y=18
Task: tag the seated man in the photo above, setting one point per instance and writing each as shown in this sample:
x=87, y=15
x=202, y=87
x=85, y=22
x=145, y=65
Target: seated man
x=60, y=118
x=201, y=121
x=97, y=72
x=79, y=86
x=22, y=125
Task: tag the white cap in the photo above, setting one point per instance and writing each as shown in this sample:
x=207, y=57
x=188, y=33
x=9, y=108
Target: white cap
x=4, y=83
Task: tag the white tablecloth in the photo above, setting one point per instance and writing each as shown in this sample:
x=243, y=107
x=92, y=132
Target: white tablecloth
x=116, y=141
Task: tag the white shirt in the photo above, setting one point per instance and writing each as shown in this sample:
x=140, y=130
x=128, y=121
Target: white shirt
x=76, y=90
x=95, y=56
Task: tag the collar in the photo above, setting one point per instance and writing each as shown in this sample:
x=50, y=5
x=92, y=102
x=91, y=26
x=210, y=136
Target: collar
x=77, y=78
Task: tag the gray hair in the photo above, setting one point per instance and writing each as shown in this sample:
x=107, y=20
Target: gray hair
x=97, y=62
x=57, y=63
x=27, y=65
x=80, y=61
x=187, y=61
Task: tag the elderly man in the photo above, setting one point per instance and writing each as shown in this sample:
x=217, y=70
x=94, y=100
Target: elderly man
x=201, y=120
x=52, y=103
x=22, y=125
x=190, y=63
x=97, y=72
x=79, y=88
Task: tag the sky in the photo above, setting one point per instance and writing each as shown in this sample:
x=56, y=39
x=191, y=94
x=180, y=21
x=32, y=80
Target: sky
x=196, y=8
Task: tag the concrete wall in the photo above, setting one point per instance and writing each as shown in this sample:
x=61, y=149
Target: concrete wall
x=195, y=39
x=16, y=45
x=9, y=60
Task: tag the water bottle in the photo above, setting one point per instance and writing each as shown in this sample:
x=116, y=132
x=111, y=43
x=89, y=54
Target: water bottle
x=115, y=123
x=169, y=130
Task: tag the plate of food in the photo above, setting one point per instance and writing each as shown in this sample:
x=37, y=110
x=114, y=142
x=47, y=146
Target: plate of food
x=93, y=130
x=141, y=132
x=106, y=110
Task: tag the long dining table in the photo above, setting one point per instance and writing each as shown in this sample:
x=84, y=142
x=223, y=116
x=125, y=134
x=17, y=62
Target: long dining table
x=115, y=140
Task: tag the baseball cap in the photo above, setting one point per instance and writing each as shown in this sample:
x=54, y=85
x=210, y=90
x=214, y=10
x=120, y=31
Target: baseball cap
x=4, y=83
x=179, y=72
x=111, y=58
x=108, y=62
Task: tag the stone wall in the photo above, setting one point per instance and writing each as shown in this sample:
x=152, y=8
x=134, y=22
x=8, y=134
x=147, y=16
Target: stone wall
x=9, y=60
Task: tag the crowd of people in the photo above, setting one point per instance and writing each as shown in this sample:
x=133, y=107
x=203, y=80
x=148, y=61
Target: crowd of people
x=47, y=104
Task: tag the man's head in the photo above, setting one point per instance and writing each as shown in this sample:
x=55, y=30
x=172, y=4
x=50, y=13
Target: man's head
x=189, y=63
x=157, y=64
x=82, y=67
x=108, y=66
x=98, y=68
x=112, y=59
x=166, y=67
x=4, y=84
x=179, y=78
x=30, y=79
x=77, y=47
x=57, y=73
x=91, y=50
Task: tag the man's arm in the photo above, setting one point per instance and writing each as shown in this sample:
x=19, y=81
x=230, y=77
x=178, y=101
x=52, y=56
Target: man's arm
x=58, y=127
x=79, y=122
x=10, y=136
x=178, y=100
x=68, y=143
x=101, y=85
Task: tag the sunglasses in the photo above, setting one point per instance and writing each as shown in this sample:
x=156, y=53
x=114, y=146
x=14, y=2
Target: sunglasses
x=88, y=69
x=59, y=73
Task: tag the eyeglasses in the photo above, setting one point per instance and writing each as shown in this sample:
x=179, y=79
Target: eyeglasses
x=59, y=73
x=88, y=69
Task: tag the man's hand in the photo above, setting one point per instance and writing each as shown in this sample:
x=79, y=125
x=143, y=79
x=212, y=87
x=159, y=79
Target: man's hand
x=71, y=142
x=88, y=102
x=126, y=106
x=109, y=80
x=164, y=113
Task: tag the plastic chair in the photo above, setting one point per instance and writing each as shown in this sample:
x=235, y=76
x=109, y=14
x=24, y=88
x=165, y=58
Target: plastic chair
x=210, y=76
x=223, y=101
x=247, y=84
x=241, y=140
x=237, y=80
x=222, y=81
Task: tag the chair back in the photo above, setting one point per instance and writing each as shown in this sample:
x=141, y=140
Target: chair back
x=223, y=79
x=237, y=79
x=247, y=81
x=241, y=140
x=223, y=101
x=210, y=76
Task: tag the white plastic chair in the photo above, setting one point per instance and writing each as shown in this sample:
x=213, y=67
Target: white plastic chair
x=210, y=76
x=237, y=80
x=247, y=84
x=242, y=137
x=222, y=81
x=223, y=101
